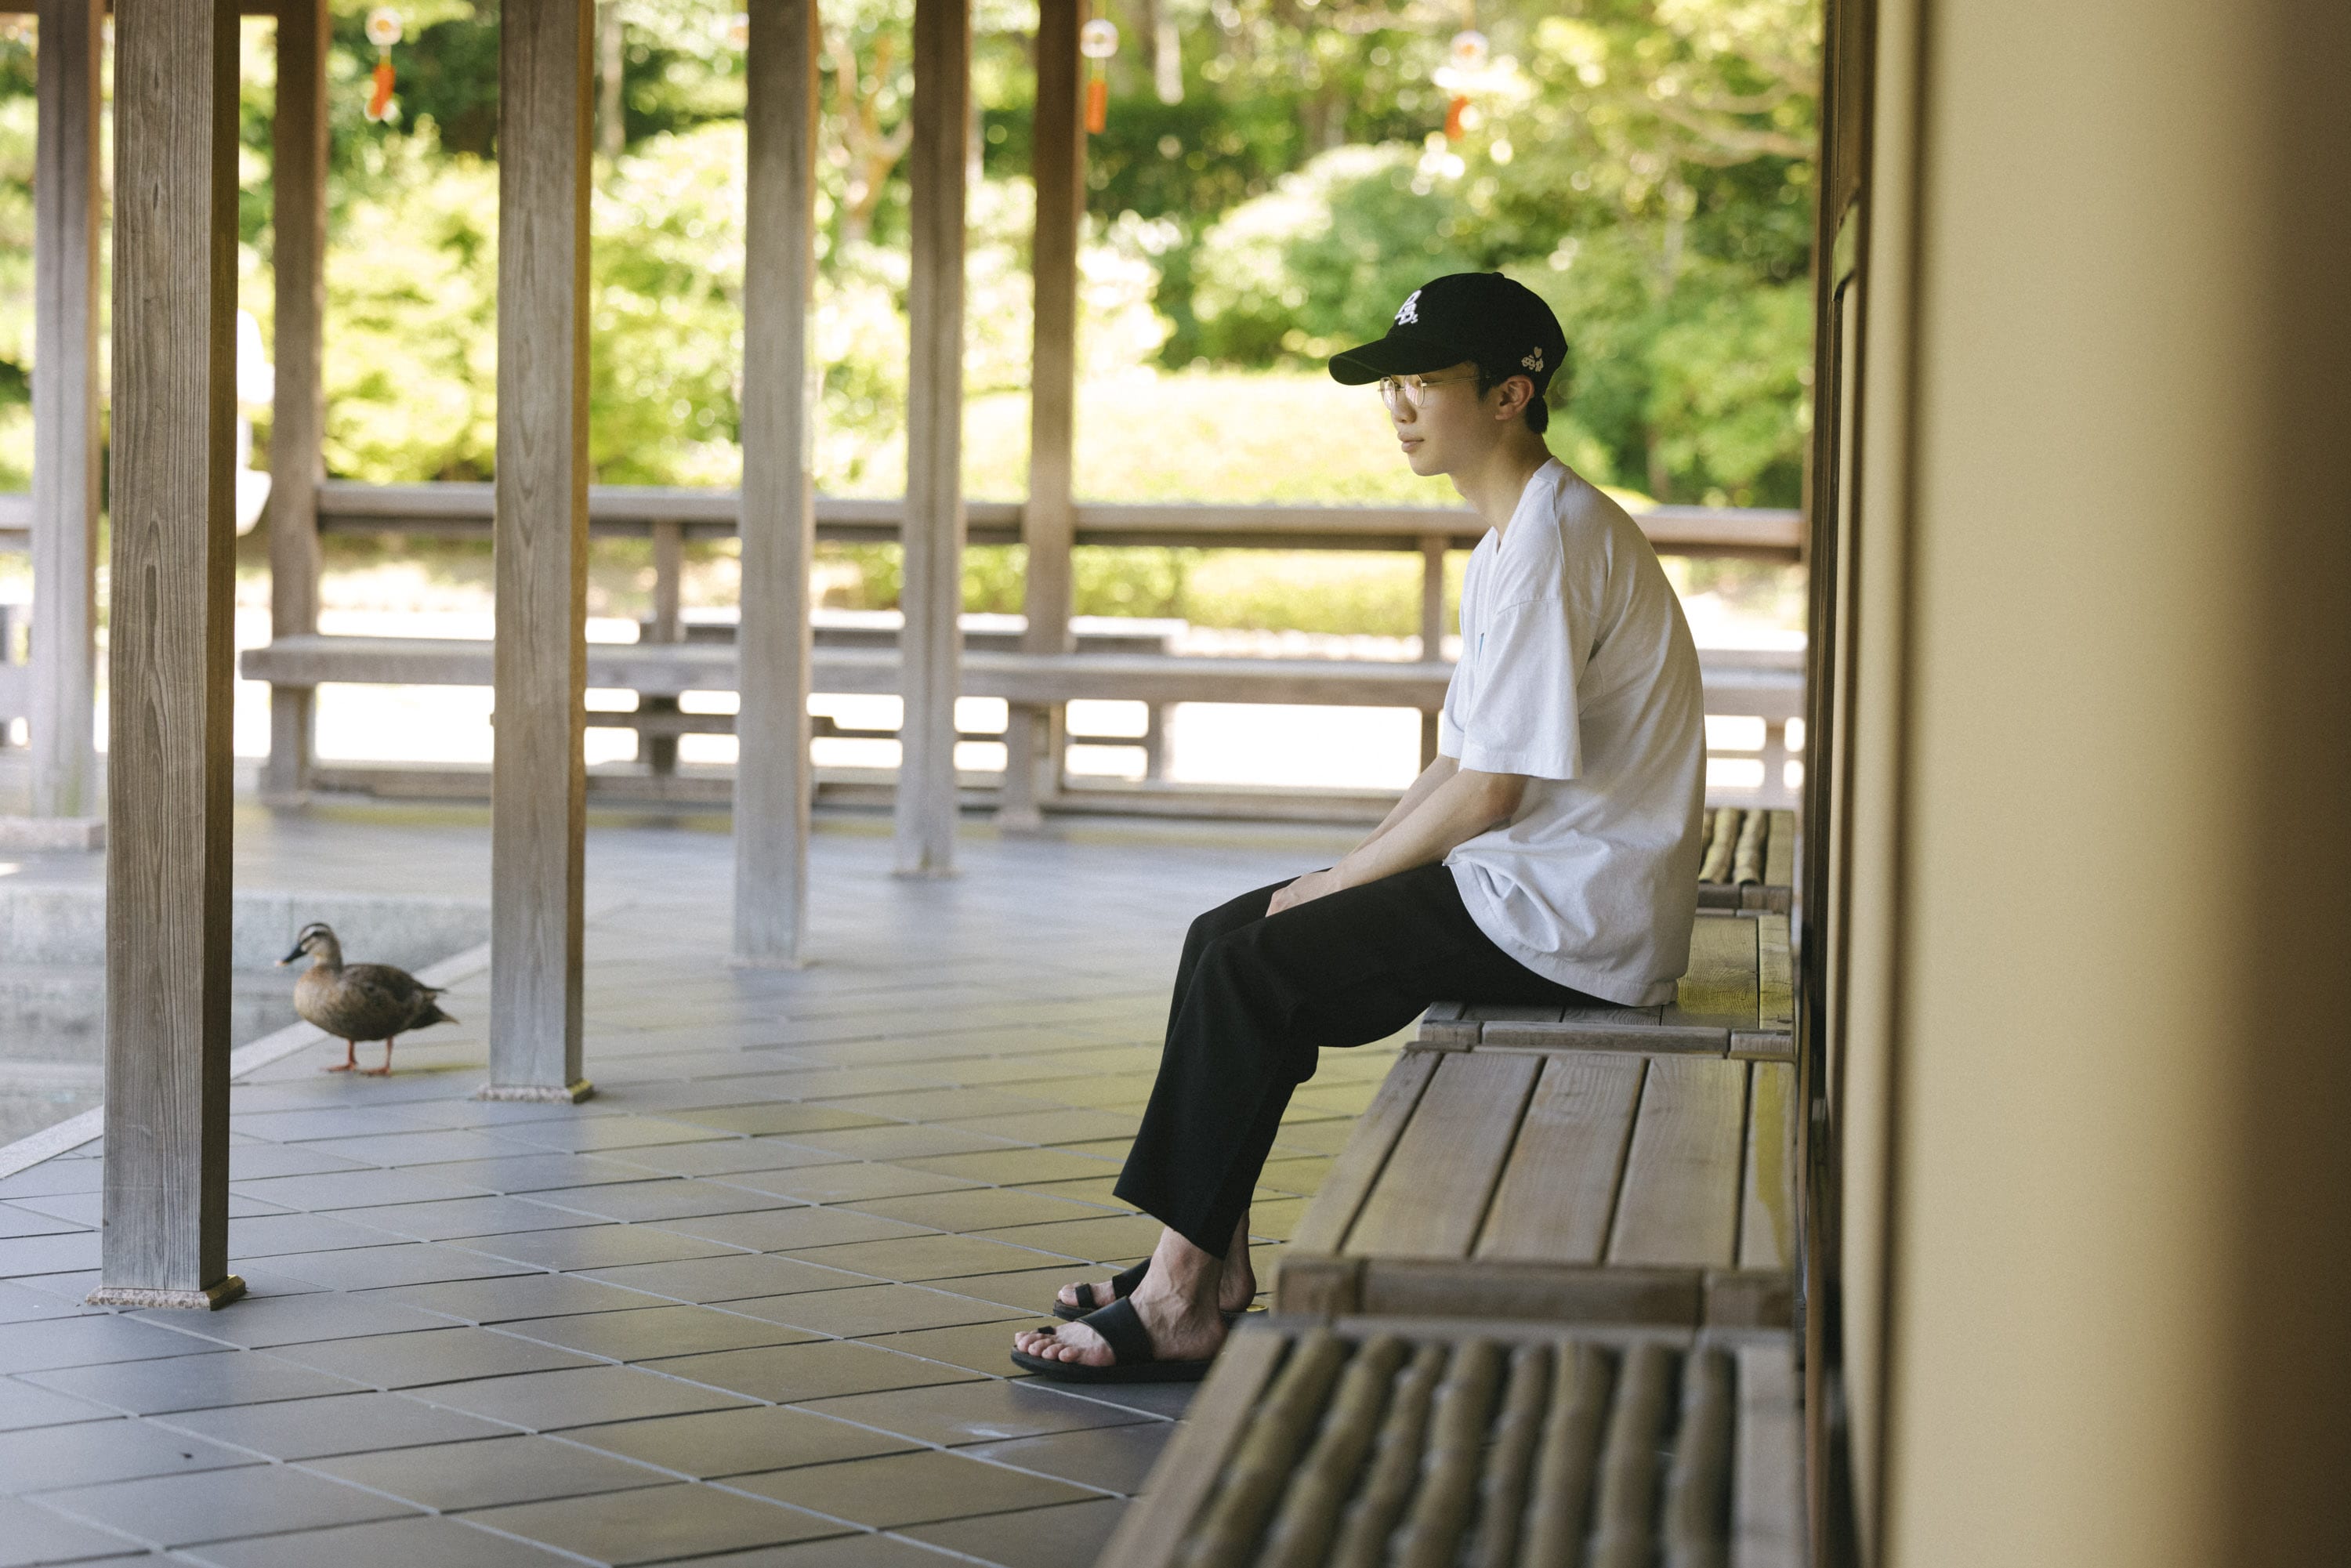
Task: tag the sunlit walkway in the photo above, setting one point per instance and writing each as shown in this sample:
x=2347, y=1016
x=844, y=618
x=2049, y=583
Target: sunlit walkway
x=752, y=1299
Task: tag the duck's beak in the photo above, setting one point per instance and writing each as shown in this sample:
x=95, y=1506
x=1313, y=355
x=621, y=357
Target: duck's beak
x=290, y=957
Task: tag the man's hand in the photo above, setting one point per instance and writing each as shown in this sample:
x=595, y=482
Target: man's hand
x=1306, y=889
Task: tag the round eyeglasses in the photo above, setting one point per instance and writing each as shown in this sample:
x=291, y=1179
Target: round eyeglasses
x=1400, y=393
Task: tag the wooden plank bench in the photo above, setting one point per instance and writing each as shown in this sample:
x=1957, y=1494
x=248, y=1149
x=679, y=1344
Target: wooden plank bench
x=1430, y=1445
x=1750, y=860
x=1737, y=999
x=1573, y=1185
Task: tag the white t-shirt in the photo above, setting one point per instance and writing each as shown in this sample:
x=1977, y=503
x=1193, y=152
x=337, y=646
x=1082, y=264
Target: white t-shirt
x=1577, y=669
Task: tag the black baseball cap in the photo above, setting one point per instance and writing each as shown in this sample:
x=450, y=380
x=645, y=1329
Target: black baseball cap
x=1503, y=326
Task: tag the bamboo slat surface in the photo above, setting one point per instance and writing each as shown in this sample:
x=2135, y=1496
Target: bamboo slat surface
x=1482, y=1445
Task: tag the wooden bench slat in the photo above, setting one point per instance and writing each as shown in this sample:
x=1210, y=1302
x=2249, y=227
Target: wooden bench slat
x=1332, y=1212
x=1767, y=1488
x=1779, y=850
x=1447, y=1160
x=1680, y=1201
x=1767, y=1220
x=1775, y=973
x=1720, y=986
x=1697, y=1487
x=1624, y=1535
x=1558, y=1192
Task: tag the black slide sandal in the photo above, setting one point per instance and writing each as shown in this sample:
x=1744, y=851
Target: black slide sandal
x=1130, y=1342
x=1121, y=1285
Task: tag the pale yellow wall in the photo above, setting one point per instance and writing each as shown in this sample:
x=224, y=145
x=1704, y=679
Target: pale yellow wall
x=2119, y=1038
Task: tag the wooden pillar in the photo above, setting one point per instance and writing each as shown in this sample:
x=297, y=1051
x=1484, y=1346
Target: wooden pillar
x=298, y=420
x=931, y=647
x=773, y=782
x=538, y=793
x=659, y=750
x=1432, y=628
x=1048, y=524
x=169, y=659
x=66, y=197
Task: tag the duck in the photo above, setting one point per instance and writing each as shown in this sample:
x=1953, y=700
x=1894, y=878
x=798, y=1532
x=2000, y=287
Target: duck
x=358, y=1001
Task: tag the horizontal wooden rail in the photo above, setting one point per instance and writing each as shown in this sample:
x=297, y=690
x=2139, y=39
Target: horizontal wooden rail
x=462, y=510
x=1760, y=685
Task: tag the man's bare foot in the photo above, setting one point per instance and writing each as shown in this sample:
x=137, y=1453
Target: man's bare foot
x=1177, y=1303
x=1234, y=1292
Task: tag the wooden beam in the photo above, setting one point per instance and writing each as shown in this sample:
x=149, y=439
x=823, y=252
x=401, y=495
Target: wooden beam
x=170, y=656
x=1048, y=524
x=298, y=417
x=537, y=809
x=773, y=783
x=65, y=198
x=1432, y=628
x=931, y=590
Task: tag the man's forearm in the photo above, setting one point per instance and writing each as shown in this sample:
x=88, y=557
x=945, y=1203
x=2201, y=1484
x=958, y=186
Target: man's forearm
x=1454, y=811
x=1431, y=777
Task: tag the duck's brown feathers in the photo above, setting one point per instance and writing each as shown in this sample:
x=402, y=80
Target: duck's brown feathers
x=365, y=1002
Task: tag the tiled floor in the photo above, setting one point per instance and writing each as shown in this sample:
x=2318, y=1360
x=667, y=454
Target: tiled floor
x=749, y=1305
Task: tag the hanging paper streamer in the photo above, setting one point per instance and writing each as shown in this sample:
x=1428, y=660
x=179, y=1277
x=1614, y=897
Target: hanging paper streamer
x=383, y=31
x=1098, y=41
x=1465, y=65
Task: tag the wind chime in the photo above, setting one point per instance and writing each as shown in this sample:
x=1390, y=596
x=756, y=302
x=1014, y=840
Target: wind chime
x=1465, y=63
x=383, y=31
x=1098, y=41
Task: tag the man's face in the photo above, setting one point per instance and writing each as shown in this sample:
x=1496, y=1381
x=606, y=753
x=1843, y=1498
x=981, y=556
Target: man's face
x=1452, y=428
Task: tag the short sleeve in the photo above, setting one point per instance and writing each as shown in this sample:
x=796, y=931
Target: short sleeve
x=1520, y=716
x=1448, y=728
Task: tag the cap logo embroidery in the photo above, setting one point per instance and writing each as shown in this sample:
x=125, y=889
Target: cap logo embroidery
x=1533, y=361
x=1410, y=314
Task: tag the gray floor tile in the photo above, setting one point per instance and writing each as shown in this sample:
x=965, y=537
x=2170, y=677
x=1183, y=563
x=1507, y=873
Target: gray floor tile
x=54, y=1176
x=1103, y=1236
x=587, y=1135
x=442, y=1151
x=24, y=1406
x=900, y=1142
x=219, y=1505
x=18, y=1221
x=549, y=1401
x=1039, y=1538
x=780, y=1119
x=684, y=1520
x=784, y=1225
x=273, y=1234
x=656, y=1332
x=974, y=1412
x=522, y=1171
x=258, y=1322
x=848, y=1180
x=19, y=1305
x=338, y=1424
x=597, y=1247
x=418, y=1543
x=432, y=1355
x=376, y=1268
x=919, y=1488
x=864, y=1551
x=940, y=1103
x=449, y=1477
x=787, y=1374
x=1017, y=1165
x=30, y=1534
x=985, y=1208
x=87, y=1341
x=1028, y=1291
x=728, y=1157
x=47, y=1457
x=344, y=1123
x=75, y=1250
x=665, y=1198
x=1167, y=1399
x=866, y=1310
x=1115, y=1459
x=982, y=1347
x=737, y=1442
x=736, y=1277
x=354, y=1189
x=260, y=1162
x=191, y=1381
x=518, y=1296
x=917, y=1258
x=467, y=1216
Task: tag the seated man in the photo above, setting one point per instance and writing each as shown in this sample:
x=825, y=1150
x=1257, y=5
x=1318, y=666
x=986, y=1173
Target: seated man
x=1549, y=854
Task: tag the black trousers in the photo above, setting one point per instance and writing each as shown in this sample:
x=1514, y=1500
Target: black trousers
x=1257, y=995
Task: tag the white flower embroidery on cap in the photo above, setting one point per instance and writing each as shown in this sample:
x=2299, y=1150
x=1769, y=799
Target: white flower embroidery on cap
x=1410, y=314
x=1533, y=361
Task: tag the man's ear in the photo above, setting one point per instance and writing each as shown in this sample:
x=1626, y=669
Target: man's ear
x=1518, y=391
